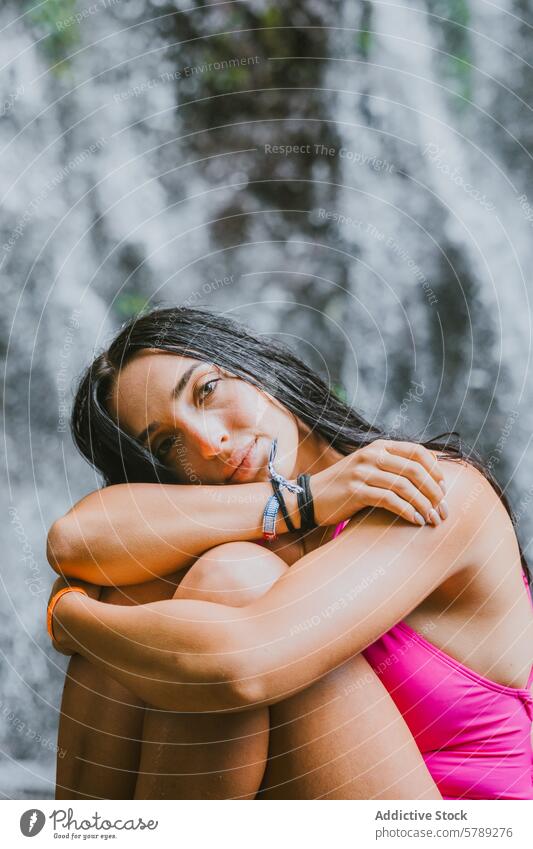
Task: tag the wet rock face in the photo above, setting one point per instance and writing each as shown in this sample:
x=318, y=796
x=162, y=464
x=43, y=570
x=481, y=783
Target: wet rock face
x=356, y=182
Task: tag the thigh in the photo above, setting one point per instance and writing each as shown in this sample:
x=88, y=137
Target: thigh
x=343, y=738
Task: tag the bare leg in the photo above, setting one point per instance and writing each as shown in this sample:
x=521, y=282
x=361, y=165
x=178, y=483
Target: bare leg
x=203, y=756
x=100, y=728
x=210, y=755
x=343, y=738
x=102, y=724
x=100, y=734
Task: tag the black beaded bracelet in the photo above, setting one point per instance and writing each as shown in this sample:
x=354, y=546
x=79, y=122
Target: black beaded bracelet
x=305, y=504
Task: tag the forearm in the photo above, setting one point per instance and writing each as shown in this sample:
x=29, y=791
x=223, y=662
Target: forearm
x=132, y=533
x=179, y=654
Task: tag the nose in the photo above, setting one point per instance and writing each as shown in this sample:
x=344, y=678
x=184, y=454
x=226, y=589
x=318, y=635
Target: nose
x=209, y=438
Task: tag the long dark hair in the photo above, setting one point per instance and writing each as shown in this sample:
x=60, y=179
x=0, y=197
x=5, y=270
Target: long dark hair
x=262, y=361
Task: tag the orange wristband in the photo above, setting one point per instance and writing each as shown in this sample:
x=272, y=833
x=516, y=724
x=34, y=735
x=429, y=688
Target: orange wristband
x=52, y=604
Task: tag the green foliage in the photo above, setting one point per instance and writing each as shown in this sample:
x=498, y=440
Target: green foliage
x=339, y=390
x=130, y=303
x=364, y=38
x=272, y=17
x=456, y=64
x=364, y=42
x=51, y=12
x=60, y=35
x=224, y=79
x=453, y=10
x=460, y=72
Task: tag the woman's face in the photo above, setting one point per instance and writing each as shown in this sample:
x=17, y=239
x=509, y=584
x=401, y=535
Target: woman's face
x=205, y=424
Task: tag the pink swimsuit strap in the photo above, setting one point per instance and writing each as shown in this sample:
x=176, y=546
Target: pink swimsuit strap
x=528, y=588
x=340, y=527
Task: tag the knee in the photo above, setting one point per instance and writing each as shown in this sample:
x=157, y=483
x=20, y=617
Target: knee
x=234, y=574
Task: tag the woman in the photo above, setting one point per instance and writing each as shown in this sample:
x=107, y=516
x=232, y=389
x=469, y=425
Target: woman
x=248, y=679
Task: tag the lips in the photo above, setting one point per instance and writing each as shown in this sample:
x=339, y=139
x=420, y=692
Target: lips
x=239, y=459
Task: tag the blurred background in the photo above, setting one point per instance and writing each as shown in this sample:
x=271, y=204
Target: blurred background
x=354, y=177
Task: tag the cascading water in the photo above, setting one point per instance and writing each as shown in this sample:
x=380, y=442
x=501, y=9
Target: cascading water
x=394, y=240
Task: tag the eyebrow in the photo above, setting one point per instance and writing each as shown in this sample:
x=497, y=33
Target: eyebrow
x=176, y=392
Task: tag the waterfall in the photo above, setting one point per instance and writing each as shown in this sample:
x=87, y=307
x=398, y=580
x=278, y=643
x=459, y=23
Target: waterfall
x=398, y=248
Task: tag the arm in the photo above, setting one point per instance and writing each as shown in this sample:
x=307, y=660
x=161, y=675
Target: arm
x=132, y=533
x=193, y=656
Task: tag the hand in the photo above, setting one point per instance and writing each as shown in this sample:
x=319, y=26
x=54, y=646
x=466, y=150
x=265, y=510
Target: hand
x=60, y=643
x=402, y=477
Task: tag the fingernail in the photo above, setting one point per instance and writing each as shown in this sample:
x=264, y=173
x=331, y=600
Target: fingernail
x=443, y=486
x=434, y=517
x=419, y=519
x=443, y=509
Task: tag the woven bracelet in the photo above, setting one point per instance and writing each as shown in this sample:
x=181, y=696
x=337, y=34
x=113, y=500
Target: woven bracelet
x=269, y=518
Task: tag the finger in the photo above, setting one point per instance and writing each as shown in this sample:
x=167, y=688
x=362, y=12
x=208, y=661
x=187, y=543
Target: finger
x=407, y=491
x=420, y=454
x=417, y=475
x=61, y=650
x=386, y=499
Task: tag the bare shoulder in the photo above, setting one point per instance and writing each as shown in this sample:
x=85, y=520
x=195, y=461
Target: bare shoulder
x=468, y=490
x=477, y=524
x=476, y=510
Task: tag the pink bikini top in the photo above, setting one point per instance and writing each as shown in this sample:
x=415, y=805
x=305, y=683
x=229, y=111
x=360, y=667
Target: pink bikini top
x=474, y=734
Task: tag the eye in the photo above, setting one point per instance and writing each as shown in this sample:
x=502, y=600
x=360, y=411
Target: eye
x=165, y=446
x=203, y=393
